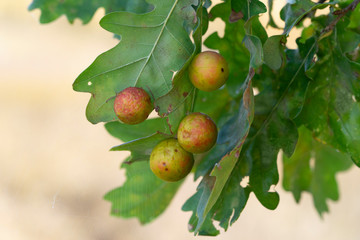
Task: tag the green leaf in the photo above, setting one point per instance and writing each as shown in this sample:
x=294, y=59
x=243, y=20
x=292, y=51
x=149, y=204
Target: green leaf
x=180, y=99
x=348, y=40
x=141, y=148
x=231, y=145
x=248, y=7
x=143, y=195
x=273, y=51
x=312, y=168
x=191, y=204
x=271, y=21
x=84, y=9
x=152, y=46
x=293, y=81
x=126, y=132
x=253, y=44
x=286, y=89
x=233, y=199
x=293, y=13
x=355, y=20
x=230, y=47
x=212, y=103
x=307, y=51
x=262, y=152
x=239, y=130
x=332, y=111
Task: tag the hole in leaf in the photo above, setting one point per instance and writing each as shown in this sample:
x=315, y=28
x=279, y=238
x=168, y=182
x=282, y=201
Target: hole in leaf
x=315, y=58
x=256, y=91
x=312, y=163
x=153, y=114
x=244, y=182
x=89, y=83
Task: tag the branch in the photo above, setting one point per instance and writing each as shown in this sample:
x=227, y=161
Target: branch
x=340, y=13
x=310, y=13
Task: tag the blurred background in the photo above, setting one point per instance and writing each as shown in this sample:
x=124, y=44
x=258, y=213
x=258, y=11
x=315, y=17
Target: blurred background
x=55, y=166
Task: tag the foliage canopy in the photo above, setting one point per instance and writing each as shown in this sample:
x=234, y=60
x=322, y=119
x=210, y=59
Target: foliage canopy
x=307, y=104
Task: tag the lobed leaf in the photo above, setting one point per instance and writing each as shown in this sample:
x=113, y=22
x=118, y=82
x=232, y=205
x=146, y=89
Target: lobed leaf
x=141, y=148
x=253, y=44
x=179, y=101
x=152, y=46
x=232, y=48
x=208, y=228
x=126, y=132
x=355, y=20
x=248, y=8
x=312, y=168
x=293, y=13
x=273, y=51
x=231, y=144
x=332, y=110
x=84, y=9
x=143, y=195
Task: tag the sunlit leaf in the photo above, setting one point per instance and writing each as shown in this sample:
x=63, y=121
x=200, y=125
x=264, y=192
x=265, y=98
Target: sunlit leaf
x=142, y=58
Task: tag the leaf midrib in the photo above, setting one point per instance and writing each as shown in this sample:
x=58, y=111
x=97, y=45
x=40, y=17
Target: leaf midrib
x=156, y=42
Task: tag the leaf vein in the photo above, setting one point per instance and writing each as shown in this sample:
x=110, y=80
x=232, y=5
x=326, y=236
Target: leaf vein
x=157, y=41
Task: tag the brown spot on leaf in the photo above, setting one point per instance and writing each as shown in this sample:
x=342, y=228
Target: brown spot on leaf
x=185, y=94
x=166, y=169
x=170, y=108
x=222, y=69
x=167, y=120
x=235, y=16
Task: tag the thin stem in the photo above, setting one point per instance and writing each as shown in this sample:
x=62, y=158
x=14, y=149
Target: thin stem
x=340, y=13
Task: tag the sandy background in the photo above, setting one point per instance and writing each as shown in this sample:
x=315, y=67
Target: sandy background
x=55, y=166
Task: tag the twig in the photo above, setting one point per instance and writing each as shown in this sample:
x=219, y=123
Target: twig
x=340, y=13
x=310, y=13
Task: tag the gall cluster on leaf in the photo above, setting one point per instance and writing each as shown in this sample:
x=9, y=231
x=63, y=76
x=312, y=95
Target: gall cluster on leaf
x=172, y=159
x=197, y=132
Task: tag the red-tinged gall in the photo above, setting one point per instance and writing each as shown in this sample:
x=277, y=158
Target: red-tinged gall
x=133, y=105
x=208, y=71
x=170, y=162
x=197, y=133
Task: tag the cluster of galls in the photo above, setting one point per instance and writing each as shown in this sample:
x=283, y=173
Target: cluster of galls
x=172, y=159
